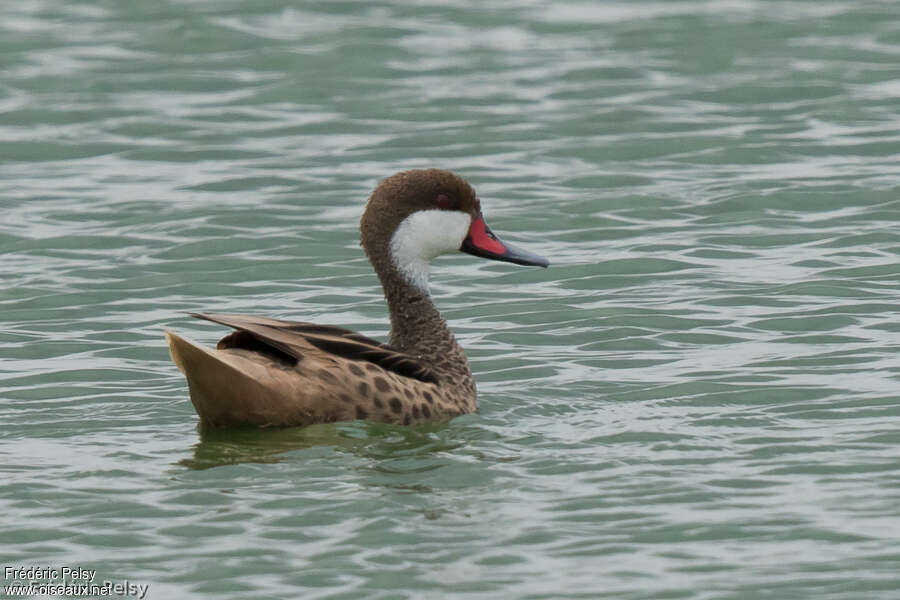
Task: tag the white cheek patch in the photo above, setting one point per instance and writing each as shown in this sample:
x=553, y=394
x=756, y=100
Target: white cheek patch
x=422, y=236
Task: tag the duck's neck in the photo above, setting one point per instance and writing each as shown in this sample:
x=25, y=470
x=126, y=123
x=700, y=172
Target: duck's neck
x=417, y=327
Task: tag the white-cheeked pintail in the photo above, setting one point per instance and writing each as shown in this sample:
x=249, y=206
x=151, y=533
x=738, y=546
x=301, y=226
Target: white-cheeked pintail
x=270, y=372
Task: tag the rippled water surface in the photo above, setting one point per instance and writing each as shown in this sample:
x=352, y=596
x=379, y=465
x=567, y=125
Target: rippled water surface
x=699, y=399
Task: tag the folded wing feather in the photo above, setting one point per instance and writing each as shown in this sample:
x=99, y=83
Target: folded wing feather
x=294, y=338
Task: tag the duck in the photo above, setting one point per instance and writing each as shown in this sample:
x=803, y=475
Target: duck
x=272, y=372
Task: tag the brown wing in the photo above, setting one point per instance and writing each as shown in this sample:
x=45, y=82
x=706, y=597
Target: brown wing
x=293, y=338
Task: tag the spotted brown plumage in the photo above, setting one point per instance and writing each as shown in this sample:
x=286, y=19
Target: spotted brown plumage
x=271, y=372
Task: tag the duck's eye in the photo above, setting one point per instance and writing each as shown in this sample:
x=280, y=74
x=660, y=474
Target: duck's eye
x=444, y=202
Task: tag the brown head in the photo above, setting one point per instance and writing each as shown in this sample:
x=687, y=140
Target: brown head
x=414, y=216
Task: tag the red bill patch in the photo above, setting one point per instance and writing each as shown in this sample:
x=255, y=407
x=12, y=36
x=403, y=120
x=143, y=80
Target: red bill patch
x=480, y=238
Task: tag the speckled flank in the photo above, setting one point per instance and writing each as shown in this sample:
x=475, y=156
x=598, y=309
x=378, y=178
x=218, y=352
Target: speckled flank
x=388, y=397
x=272, y=372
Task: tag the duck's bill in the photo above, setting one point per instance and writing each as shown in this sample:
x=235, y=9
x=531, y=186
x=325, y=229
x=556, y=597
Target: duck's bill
x=482, y=242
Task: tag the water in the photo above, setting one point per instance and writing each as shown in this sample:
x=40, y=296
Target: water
x=697, y=400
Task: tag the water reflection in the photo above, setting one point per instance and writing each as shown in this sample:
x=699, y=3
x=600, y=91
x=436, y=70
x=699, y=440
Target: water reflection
x=379, y=441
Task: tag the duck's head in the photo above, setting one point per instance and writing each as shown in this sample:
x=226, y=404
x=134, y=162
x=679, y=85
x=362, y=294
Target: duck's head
x=414, y=216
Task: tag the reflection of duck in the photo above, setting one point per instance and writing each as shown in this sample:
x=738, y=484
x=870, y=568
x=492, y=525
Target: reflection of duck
x=377, y=442
x=274, y=372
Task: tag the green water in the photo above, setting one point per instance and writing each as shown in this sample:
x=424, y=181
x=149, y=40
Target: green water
x=699, y=399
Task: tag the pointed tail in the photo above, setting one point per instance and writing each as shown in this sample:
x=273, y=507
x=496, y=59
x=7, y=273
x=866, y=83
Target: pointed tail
x=228, y=388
